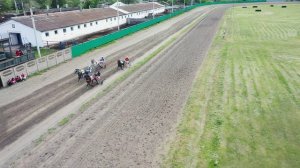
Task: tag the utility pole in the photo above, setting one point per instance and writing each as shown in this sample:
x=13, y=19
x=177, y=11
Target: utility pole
x=57, y=5
x=118, y=15
x=80, y=5
x=33, y=24
x=172, y=5
x=152, y=9
x=23, y=8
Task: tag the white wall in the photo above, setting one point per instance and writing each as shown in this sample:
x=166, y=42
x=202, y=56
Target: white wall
x=159, y=10
x=27, y=33
x=77, y=32
x=31, y=67
x=6, y=75
x=108, y=23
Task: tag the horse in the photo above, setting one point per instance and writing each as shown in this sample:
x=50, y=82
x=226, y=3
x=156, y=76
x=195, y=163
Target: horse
x=102, y=65
x=80, y=73
x=97, y=66
x=92, y=80
x=121, y=64
x=85, y=71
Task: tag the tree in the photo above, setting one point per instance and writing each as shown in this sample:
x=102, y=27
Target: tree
x=73, y=3
x=57, y=2
x=44, y=3
x=6, y=5
x=130, y=1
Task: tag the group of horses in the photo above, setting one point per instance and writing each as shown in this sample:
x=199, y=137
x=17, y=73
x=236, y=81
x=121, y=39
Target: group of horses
x=92, y=73
x=91, y=78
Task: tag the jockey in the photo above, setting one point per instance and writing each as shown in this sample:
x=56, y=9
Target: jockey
x=102, y=60
x=23, y=76
x=93, y=62
x=127, y=61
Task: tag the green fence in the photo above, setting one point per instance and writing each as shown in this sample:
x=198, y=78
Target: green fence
x=82, y=48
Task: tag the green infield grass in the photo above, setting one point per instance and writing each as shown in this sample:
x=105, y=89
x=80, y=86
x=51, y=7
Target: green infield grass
x=244, y=107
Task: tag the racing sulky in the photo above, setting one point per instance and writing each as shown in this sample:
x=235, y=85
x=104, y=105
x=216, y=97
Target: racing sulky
x=93, y=79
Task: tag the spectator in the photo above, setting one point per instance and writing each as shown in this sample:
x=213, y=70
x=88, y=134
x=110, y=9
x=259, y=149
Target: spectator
x=19, y=53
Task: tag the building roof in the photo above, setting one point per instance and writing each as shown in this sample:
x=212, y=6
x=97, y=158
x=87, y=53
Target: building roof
x=52, y=21
x=140, y=7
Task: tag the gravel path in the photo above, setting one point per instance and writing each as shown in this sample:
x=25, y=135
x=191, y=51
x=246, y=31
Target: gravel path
x=128, y=126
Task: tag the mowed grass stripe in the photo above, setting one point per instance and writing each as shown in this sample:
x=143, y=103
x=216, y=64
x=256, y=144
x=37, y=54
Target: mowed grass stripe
x=244, y=108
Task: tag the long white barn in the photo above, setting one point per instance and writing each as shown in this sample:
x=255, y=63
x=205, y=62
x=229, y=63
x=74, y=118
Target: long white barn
x=57, y=27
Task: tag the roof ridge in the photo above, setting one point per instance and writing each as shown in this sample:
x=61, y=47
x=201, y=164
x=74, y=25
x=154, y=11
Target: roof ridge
x=59, y=13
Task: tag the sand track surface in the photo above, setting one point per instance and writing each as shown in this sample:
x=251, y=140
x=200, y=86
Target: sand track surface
x=128, y=126
x=19, y=116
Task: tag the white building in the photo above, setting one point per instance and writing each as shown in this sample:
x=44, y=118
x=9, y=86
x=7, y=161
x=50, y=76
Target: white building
x=57, y=27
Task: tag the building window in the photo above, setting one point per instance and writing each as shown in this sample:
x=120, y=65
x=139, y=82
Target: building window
x=84, y=25
x=55, y=32
x=64, y=30
x=13, y=26
x=91, y=24
x=110, y=19
x=72, y=28
x=106, y=20
x=47, y=34
x=115, y=18
x=96, y=23
x=78, y=26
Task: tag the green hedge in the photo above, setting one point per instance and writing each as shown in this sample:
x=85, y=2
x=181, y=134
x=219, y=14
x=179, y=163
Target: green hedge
x=82, y=48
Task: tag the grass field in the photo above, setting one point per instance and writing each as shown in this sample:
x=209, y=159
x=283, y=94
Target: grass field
x=244, y=108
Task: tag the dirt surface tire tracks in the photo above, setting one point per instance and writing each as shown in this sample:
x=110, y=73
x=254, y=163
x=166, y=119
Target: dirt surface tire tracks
x=128, y=131
x=21, y=115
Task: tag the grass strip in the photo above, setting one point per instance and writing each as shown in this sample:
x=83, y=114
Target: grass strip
x=65, y=120
x=243, y=109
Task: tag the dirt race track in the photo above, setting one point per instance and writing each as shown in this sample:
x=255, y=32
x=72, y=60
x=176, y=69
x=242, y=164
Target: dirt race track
x=20, y=115
x=129, y=125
